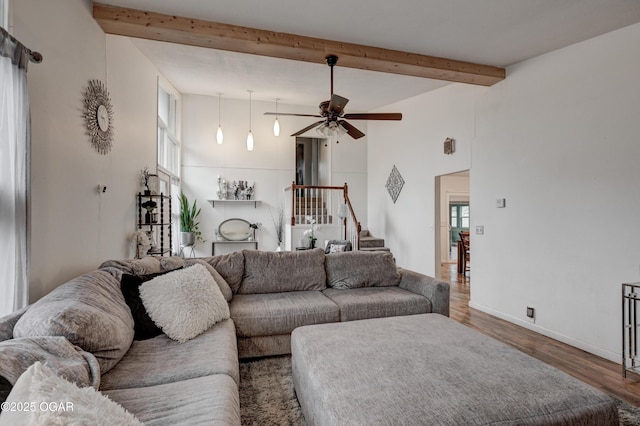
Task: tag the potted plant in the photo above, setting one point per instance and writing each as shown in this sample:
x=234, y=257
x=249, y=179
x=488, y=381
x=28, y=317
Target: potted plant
x=189, y=231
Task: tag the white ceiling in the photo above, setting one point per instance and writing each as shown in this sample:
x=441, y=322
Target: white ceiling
x=491, y=32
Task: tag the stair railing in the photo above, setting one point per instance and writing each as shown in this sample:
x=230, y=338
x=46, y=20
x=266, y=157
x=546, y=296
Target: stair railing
x=323, y=204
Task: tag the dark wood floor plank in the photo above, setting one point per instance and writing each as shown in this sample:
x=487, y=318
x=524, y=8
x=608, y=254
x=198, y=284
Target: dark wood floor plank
x=598, y=372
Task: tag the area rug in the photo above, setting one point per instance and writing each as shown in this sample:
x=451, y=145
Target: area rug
x=267, y=397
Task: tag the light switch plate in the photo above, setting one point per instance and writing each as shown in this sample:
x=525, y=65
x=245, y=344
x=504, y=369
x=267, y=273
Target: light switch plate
x=501, y=203
x=479, y=229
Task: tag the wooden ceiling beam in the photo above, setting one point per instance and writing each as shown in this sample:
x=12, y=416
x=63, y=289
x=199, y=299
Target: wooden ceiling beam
x=214, y=35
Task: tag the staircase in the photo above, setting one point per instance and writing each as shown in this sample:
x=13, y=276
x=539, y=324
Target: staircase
x=370, y=243
x=313, y=207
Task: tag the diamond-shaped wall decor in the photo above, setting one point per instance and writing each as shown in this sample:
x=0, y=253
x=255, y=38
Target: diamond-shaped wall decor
x=394, y=184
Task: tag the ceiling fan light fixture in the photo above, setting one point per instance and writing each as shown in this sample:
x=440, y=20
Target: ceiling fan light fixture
x=219, y=134
x=276, y=124
x=250, y=135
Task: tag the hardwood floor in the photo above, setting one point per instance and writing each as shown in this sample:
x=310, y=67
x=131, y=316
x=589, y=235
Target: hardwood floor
x=596, y=371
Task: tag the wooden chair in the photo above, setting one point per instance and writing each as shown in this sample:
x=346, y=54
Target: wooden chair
x=464, y=241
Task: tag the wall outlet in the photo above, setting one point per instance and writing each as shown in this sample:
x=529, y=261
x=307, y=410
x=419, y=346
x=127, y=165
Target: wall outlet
x=531, y=312
x=479, y=229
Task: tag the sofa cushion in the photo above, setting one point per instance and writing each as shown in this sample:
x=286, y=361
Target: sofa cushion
x=184, y=303
x=211, y=400
x=217, y=277
x=275, y=272
x=89, y=311
x=230, y=266
x=146, y=265
x=7, y=323
x=162, y=360
x=72, y=405
x=356, y=269
x=280, y=313
x=377, y=302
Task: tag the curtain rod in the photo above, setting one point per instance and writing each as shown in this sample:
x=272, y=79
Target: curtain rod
x=35, y=57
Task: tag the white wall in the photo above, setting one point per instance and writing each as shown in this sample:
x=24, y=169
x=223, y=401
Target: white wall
x=559, y=140
x=73, y=229
x=270, y=165
x=415, y=147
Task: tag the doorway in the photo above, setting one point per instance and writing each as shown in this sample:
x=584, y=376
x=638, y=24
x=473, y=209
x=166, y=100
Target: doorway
x=458, y=221
x=452, y=214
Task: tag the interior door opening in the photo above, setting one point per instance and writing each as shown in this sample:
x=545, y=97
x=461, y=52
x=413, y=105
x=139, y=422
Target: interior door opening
x=452, y=215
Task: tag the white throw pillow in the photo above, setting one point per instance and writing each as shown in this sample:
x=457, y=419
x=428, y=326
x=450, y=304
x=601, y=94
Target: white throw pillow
x=184, y=303
x=40, y=397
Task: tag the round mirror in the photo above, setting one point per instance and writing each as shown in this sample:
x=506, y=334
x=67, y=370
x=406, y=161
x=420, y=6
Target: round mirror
x=235, y=229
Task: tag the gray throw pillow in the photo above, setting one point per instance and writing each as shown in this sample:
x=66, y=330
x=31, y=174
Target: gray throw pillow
x=354, y=269
x=217, y=277
x=336, y=246
x=275, y=272
x=89, y=311
x=230, y=266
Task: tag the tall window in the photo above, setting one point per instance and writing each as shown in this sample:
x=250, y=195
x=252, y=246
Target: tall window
x=169, y=150
x=168, y=130
x=4, y=14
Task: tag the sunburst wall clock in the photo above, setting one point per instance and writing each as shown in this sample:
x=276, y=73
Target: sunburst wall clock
x=98, y=116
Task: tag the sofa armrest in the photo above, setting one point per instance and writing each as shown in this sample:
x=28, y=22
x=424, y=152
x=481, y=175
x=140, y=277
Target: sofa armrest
x=8, y=322
x=435, y=290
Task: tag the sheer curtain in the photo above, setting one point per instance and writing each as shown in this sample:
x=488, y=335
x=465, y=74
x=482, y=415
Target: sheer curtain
x=14, y=174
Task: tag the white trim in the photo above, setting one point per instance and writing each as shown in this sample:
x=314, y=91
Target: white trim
x=611, y=356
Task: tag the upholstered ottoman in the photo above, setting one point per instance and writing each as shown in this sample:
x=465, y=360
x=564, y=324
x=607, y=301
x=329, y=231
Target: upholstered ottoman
x=430, y=370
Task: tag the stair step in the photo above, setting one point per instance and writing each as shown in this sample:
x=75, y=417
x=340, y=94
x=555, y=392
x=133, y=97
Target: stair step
x=375, y=249
x=370, y=242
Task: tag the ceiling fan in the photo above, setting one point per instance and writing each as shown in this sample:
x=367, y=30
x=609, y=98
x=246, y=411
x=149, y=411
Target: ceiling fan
x=333, y=116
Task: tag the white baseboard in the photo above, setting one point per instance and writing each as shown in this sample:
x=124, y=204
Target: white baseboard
x=603, y=353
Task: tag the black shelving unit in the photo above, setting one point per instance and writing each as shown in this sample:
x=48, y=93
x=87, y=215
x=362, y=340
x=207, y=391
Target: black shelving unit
x=162, y=224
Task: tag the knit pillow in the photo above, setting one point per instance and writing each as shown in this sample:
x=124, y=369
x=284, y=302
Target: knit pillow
x=184, y=303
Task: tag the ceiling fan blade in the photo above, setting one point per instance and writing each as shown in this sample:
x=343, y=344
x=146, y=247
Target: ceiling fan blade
x=306, y=129
x=374, y=116
x=292, y=114
x=337, y=104
x=352, y=131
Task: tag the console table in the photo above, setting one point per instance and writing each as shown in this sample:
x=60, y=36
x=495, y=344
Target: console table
x=213, y=244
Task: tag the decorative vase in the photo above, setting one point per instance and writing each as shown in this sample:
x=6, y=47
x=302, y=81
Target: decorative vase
x=187, y=238
x=147, y=217
x=279, y=248
x=312, y=243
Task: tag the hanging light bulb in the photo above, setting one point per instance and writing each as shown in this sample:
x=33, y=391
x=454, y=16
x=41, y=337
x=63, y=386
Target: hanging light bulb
x=276, y=124
x=219, y=135
x=250, y=135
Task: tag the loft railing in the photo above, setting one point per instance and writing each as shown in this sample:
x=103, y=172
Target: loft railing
x=326, y=205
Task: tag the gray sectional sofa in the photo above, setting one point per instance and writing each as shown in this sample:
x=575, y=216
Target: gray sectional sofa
x=84, y=329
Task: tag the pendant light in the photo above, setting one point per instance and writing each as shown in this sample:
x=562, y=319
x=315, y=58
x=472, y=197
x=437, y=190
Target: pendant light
x=219, y=135
x=250, y=136
x=276, y=124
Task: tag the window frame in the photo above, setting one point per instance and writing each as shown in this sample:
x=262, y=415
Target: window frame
x=5, y=19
